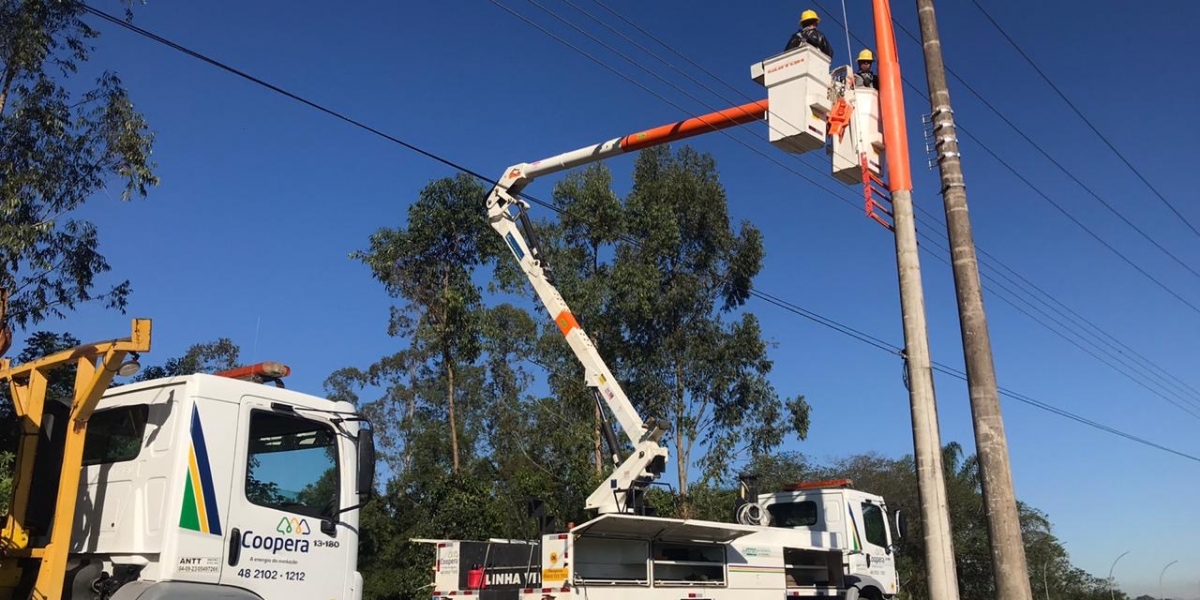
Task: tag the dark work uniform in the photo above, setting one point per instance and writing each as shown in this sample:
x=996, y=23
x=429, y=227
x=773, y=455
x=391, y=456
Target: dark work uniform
x=812, y=37
x=867, y=79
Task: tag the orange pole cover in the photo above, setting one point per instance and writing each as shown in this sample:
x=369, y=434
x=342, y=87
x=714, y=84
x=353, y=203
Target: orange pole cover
x=891, y=100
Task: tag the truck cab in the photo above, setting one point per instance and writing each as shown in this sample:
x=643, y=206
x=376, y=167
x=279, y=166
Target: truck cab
x=858, y=522
x=210, y=486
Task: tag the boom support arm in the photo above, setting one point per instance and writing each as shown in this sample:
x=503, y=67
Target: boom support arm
x=507, y=215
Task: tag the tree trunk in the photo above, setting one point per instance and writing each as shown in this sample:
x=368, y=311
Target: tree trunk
x=9, y=74
x=448, y=361
x=450, y=397
x=597, y=434
x=412, y=411
x=5, y=331
x=681, y=458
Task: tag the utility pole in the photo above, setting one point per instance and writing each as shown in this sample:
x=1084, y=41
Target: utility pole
x=935, y=512
x=1004, y=526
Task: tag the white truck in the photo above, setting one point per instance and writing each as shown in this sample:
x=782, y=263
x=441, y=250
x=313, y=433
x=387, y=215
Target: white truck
x=857, y=520
x=817, y=539
x=796, y=543
x=189, y=488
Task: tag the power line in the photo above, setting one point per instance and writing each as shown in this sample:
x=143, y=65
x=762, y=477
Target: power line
x=1087, y=121
x=677, y=88
x=646, y=89
x=607, y=46
x=1066, y=213
x=1098, y=331
x=815, y=317
x=1104, y=336
x=1190, y=409
x=1079, y=323
x=277, y=89
x=994, y=261
x=1068, y=415
x=1138, y=368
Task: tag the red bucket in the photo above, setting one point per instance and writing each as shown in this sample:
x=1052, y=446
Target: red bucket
x=475, y=579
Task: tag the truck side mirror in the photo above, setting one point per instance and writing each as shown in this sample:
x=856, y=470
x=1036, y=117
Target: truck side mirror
x=901, y=525
x=366, y=463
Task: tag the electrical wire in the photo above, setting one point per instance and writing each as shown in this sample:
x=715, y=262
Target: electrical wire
x=646, y=89
x=989, y=259
x=609, y=47
x=1085, y=329
x=1041, y=194
x=1086, y=121
x=1191, y=409
x=1105, y=337
x=779, y=302
x=1023, y=398
x=1077, y=180
x=1139, y=368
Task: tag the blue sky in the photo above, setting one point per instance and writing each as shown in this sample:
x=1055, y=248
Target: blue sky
x=263, y=199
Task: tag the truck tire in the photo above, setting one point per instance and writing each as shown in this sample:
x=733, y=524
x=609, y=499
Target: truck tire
x=181, y=590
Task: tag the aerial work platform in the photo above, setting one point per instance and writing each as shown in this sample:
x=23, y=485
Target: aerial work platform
x=798, y=89
x=861, y=142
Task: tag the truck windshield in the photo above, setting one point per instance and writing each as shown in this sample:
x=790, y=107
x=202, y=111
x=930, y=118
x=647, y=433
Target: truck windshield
x=793, y=514
x=293, y=464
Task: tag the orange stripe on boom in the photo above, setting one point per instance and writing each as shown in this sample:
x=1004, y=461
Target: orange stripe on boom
x=566, y=322
x=721, y=119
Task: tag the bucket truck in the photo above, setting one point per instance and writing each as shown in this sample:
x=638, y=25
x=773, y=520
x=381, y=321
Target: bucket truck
x=796, y=543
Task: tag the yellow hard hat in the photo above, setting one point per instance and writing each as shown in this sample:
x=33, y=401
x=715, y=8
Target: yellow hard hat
x=866, y=55
x=809, y=15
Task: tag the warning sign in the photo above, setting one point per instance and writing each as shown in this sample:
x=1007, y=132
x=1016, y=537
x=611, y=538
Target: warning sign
x=554, y=575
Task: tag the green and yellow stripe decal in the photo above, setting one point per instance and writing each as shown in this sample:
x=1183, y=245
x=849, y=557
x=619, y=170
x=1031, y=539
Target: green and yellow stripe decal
x=200, y=511
x=854, y=528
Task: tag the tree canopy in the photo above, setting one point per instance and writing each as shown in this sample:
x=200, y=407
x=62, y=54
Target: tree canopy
x=63, y=141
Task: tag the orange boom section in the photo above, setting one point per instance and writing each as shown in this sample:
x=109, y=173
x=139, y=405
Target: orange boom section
x=730, y=117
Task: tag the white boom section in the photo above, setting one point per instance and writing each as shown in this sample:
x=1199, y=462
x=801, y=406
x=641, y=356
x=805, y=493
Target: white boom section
x=506, y=213
x=504, y=210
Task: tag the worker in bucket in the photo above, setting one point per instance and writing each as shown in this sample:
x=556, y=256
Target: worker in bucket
x=809, y=34
x=865, y=77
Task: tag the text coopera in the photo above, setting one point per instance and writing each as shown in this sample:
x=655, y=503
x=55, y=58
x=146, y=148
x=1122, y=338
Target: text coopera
x=274, y=543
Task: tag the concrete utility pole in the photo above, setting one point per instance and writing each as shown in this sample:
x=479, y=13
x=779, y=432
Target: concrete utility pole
x=1004, y=526
x=927, y=445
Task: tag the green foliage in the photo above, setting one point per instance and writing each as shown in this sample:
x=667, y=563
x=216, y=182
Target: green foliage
x=465, y=440
x=895, y=480
x=6, y=477
x=208, y=357
x=429, y=265
x=686, y=356
x=60, y=384
x=63, y=143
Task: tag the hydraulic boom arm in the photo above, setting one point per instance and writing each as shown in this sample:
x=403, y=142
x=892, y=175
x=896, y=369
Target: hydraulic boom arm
x=507, y=214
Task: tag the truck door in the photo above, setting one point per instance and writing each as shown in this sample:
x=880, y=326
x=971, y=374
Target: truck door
x=876, y=543
x=285, y=482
